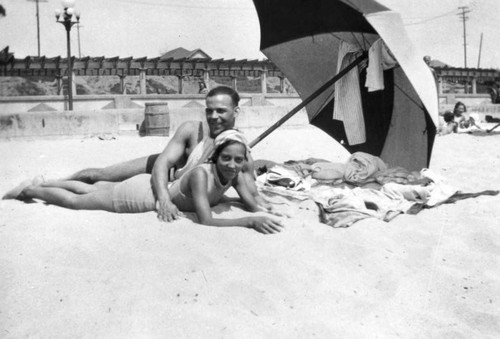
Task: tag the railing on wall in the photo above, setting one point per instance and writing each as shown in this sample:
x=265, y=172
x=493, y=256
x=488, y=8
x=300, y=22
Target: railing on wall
x=203, y=69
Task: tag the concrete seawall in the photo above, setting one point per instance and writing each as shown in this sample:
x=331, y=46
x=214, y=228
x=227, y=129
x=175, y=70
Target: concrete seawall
x=53, y=124
x=126, y=114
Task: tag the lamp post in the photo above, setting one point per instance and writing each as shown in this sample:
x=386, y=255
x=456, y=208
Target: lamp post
x=67, y=22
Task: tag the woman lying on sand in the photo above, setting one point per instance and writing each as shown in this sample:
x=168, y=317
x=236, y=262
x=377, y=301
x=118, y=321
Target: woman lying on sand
x=196, y=191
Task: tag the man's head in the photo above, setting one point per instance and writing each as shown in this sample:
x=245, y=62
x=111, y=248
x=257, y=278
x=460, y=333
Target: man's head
x=427, y=60
x=222, y=109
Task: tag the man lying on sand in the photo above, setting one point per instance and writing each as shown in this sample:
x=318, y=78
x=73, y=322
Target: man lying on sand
x=201, y=187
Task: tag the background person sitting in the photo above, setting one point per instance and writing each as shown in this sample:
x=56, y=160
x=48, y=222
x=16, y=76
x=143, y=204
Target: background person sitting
x=449, y=126
x=465, y=122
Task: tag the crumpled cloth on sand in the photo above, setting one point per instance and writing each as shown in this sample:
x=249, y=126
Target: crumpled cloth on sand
x=328, y=171
x=362, y=168
x=341, y=207
x=398, y=175
x=279, y=176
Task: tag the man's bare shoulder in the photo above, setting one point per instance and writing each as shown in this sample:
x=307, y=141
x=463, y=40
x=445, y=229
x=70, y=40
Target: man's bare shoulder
x=187, y=129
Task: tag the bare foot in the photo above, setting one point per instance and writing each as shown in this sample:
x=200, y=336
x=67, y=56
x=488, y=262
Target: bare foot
x=15, y=193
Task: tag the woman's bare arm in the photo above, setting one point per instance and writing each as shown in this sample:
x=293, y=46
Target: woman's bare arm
x=175, y=149
x=198, y=183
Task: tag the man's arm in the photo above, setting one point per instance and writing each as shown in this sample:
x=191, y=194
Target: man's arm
x=172, y=153
x=248, y=172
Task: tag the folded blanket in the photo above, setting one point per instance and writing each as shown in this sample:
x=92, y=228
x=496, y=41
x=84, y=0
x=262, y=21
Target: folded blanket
x=362, y=168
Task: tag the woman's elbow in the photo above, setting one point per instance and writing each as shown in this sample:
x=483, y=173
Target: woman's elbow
x=206, y=220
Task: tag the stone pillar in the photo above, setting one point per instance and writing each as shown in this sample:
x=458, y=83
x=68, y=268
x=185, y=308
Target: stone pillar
x=282, y=85
x=122, y=83
x=263, y=81
x=206, y=79
x=142, y=80
x=234, y=83
x=180, y=80
x=474, y=85
x=59, y=84
x=440, y=85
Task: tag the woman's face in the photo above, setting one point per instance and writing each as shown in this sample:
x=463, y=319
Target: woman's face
x=230, y=162
x=460, y=109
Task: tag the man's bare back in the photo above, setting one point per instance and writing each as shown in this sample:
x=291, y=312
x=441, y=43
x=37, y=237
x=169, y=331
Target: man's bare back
x=192, y=133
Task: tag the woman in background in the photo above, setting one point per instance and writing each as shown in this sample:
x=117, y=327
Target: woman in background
x=465, y=122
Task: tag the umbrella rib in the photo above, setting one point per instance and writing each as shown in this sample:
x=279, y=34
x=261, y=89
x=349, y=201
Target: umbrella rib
x=409, y=97
x=364, y=40
x=356, y=38
x=352, y=5
x=335, y=36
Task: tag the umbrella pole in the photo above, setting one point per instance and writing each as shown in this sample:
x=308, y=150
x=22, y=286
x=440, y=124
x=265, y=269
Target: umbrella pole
x=308, y=100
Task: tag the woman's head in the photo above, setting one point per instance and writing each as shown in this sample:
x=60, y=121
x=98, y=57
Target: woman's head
x=459, y=108
x=230, y=154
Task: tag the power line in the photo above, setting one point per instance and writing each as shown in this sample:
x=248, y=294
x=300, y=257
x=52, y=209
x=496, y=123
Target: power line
x=152, y=3
x=186, y=6
x=480, y=47
x=431, y=18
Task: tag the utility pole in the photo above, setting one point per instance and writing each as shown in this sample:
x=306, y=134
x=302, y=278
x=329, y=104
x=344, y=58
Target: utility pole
x=480, y=47
x=38, y=22
x=463, y=16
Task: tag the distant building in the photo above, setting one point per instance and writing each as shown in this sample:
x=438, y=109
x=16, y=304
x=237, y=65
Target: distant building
x=182, y=53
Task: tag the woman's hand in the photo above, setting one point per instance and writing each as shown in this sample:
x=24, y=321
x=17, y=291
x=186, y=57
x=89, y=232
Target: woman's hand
x=265, y=225
x=167, y=211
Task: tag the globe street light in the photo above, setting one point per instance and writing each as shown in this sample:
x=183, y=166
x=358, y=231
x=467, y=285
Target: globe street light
x=67, y=14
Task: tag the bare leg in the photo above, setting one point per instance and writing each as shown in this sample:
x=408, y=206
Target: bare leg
x=96, y=200
x=16, y=191
x=78, y=187
x=113, y=173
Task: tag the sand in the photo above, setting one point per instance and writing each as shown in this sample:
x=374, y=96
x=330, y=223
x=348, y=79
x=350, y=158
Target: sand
x=68, y=274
